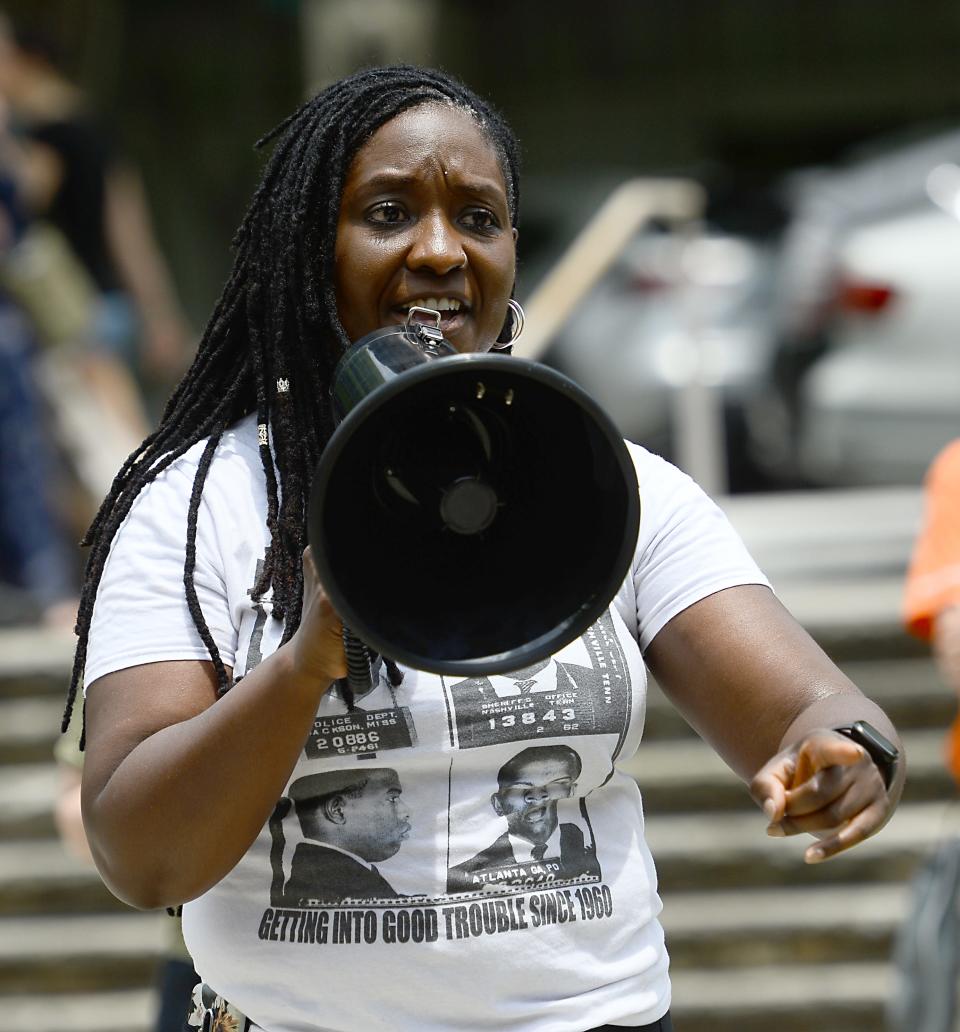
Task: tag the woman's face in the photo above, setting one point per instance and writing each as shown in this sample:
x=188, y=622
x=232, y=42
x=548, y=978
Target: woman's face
x=424, y=221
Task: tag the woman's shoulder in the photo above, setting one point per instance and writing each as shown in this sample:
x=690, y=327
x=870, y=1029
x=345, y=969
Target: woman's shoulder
x=647, y=460
x=657, y=477
x=237, y=449
x=673, y=505
x=240, y=443
x=235, y=474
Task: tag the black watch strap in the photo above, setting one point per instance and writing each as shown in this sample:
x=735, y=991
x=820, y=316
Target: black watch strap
x=881, y=750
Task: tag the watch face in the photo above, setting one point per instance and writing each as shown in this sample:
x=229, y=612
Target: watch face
x=867, y=733
x=882, y=751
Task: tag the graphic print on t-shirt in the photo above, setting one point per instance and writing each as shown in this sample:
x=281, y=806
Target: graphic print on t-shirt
x=350, y=819
x=547, y=837
x=587, y=692
x=366, y=730
x=460, y=815
x=361, y=732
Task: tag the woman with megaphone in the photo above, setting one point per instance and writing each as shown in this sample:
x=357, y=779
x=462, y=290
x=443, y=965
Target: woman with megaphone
x=469, y=854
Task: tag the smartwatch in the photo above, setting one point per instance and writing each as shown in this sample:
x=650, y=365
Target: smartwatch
x=880, y=749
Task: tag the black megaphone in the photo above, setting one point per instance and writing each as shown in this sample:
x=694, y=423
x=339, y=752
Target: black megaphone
x=472, y=513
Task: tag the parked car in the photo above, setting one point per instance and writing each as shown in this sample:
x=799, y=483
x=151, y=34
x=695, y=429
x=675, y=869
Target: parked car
x=678, y=331
x=868, y=320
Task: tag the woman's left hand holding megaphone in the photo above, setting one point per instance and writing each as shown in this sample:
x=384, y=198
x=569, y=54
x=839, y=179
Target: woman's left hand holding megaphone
x=317, y=646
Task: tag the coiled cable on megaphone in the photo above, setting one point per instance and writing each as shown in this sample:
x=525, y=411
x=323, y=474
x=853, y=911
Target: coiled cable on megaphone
x=359, y=679
x=362, y=669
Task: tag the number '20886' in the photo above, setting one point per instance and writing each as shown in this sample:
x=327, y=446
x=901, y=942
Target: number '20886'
x=360, y=738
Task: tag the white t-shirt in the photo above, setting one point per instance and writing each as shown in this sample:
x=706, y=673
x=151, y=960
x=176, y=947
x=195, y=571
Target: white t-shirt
x=460, y=853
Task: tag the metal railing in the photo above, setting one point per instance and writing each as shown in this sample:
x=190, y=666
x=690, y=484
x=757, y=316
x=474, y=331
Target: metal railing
x=696, y=406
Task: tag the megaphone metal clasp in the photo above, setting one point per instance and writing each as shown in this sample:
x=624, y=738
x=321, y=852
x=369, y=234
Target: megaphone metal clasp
x=384, y=355
x=424, y=329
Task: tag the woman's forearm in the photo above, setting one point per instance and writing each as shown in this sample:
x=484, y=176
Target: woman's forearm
x=184, y=804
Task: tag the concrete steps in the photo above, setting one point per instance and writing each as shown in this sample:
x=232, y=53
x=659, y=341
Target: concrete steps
x=907, y=686
x=38, y=876
x=819, y=925
x=785, y=998
x=27, y=793
x=694, y=852
x=752, y=960
x=35, y=655
x=28, y=727
x=57, y=953
x=129, y=1010
x=72, y=957
x=758, y=939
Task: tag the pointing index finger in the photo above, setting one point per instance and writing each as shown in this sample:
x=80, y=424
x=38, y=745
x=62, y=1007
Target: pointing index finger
x=770, y=784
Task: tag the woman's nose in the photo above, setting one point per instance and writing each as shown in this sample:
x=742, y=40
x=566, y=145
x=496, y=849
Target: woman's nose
x=437, y=246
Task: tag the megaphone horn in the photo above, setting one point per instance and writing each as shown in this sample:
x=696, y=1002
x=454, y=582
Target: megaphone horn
x=471, y=513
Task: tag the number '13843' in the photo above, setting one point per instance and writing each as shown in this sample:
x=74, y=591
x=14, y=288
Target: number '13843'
x=529, y=717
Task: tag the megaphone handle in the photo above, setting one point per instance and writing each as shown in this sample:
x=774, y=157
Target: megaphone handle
x=358, y=680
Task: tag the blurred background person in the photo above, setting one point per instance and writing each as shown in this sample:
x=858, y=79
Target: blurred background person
x=37, y=571
x=85, y=269
x=932, y=596
x=73, y=177
x=925, y=955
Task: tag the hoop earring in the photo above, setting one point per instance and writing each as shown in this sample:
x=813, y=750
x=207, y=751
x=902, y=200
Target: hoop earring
x=512, y=328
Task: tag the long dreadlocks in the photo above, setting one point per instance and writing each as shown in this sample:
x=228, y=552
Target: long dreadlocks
x=274, y=335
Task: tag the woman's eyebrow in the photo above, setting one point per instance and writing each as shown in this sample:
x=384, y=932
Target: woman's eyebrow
x=389, y=181
x=386, y=180
x=477, y=184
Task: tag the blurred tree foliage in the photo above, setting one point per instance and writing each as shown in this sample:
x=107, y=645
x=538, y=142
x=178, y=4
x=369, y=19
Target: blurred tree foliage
x=735, y=88
x=186, y=87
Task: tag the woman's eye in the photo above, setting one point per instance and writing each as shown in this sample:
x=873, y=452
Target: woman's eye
x=386, y=214
x=482, y=220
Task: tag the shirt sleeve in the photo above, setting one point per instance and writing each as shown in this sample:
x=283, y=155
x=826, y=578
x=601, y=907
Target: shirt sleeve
x=686, y=549
x=933, y=577
x=141, y=613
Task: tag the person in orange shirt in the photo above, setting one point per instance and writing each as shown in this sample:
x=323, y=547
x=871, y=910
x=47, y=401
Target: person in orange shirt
x=932, y=597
